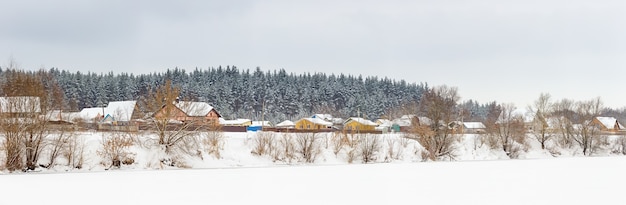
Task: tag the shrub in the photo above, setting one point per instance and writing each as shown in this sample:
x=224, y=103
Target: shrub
x=115, y=150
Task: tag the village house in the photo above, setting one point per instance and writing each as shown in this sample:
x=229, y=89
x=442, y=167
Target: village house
x=59, y=117
x=337, y=123
x=404, y=123
x=91, y=115
x=383, y=125
x=191, y=112
x=20, y=107
x=259, y=125
x=287, y=124
x=473, y=128
x=313, y=124
x=356, y=124
x=608, y=124
x=236, y=122
x=121, y=113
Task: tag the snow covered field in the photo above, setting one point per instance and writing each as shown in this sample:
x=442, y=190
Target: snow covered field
x=480, y=176
x=578, y=180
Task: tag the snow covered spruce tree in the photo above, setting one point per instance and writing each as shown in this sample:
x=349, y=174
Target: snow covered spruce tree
x=439, y=105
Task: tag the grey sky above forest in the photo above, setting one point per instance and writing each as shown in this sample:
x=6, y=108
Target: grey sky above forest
x=508, y=51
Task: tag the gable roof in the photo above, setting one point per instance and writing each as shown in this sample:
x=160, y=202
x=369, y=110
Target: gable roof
x=474, y=125
x=408, y=116
x=234, y=122
x=286, y=123
x=20, y=104
x=609, y=122
x=402, y=122
x=194, y=109
x=59, y=115
x=91, y=113
x=384, y=122
x=317, y=121
x=326, y=117
x=262, y=123
x=121, y=110
x=361, y=121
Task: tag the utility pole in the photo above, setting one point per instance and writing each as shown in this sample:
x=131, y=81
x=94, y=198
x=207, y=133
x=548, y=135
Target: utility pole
x=263, y=115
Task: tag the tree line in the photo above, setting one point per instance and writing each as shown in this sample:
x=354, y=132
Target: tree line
x=272, y=95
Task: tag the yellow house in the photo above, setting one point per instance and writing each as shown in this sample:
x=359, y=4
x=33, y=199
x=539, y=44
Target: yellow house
x=312, y=124
x=359, y=124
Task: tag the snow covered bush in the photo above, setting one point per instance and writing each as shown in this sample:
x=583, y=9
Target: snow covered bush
x=369, y=147
x=286, y=150
x=74, y=151
x=213, y=143
x=115, y=150
x=307, y=146
x=264, y=143
x=395, y=148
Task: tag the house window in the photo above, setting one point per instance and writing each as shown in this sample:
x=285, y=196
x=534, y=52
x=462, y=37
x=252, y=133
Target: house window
x=308, y=126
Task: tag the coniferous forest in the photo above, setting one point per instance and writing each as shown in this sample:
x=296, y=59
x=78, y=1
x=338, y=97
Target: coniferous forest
x=254, y=94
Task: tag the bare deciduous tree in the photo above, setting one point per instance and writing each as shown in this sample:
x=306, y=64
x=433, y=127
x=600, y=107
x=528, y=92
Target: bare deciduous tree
x=286, y=151
x=587, y=132
x=542, y=119
x=56, y=145
x=402, y=109
x=21, y=123
x=264, y=143
x=75, y=152
x=307, y=146
x=564, y=115
x=439, y=105
x=508, y=131
x=166, y=113
x=369, y=146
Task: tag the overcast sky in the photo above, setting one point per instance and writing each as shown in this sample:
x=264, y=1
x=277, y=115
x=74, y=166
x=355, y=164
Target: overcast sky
x=508, y=51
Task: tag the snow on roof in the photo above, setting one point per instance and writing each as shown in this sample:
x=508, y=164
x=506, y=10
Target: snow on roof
x=384, y=122
x=234, y=122
x=20, y=104
x=408, y=116
x=609, y=122
x=402, y=122
x=337, y=121
x=474, y=125
x=59, y=115
x=194, y=109
x=261, y=123
x=362, y=121
x=323, y=116
x=425, y=120
x=121, y=110
x=91, y=113
x=286, y=123
x=318, y=121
